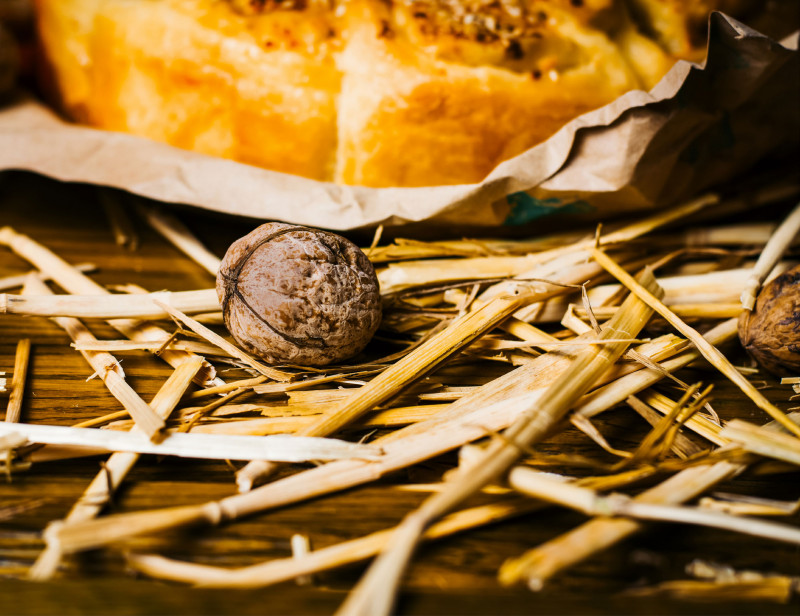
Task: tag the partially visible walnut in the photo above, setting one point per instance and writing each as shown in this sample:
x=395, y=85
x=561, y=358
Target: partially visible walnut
x=297, y=295
x=771, y=333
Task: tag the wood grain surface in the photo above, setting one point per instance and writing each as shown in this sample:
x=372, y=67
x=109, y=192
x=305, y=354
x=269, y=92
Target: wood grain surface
x=453, y=576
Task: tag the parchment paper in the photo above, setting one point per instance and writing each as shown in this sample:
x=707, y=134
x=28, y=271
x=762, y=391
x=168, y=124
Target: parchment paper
x=700, y=126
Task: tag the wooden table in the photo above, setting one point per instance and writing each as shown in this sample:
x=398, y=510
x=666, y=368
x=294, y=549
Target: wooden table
x=452, y=576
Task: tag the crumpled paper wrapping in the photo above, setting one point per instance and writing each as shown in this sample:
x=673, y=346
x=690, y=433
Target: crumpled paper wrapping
x=700, y=126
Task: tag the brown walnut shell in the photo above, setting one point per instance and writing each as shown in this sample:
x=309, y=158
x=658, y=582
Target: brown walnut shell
x=292, y=294
x=771, y=332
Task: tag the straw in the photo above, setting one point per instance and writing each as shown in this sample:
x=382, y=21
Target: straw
x=278, y=447
x=224, y=389
x=614, y=393
x=375, y=593
x=538, y=565
x=337, y=555
x=772, y=253
x=17, y=280
x=400, y=276
x=301, y=547
x=110, y=306
x=709, y=351
x=219, y=341
x=14, y=408
x=289, y=424
x=778, y=589
x=171, y=228
x=157, y=347
x=763, y=442
x=490, y=409
x=591, y=503
x=418, y=363
x=545, y=561
x=99, y=491
x=721, y=288
x=73, y=281
x=743, y=504
x=125, y=235
x=405, y=249
x=107, y=368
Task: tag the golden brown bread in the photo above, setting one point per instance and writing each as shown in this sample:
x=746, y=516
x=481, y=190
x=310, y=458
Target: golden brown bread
x=371, y=92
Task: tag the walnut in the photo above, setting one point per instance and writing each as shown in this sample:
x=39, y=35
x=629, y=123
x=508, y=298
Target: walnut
x=297, y=295
x=771, y=332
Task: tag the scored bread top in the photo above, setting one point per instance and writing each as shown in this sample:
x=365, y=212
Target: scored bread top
x=370, y=92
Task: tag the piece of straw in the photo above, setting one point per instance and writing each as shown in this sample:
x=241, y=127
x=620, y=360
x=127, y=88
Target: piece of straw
x=275, y=388
x=400, y=276
x=743, y=504
x=178, y=234
x=116, y=468
x=125, y=235
x=405, y=249
x=337, y=555
x=707, y=570
x=301, y=547
x=585, y=500
x=697, y=423
x=773, y=251
x=11, y=441
x=778, y=589
x=709, y=351
x=289, y=424
x=211, y=406
x=192, y=346
x=720, y=287
x=656, y=441
x=374, y=594
x=678, y=442
x=110, y=306
x=278, y=447
x=376, y=238
x=226, y=388
x=103, y=419
x=18, y=379
x=107, y=368
x=685, y=311
x=763, y=442
x=219, y=341
x=17, y=280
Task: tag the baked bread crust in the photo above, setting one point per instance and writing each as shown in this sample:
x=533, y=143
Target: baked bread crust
x=369, y=92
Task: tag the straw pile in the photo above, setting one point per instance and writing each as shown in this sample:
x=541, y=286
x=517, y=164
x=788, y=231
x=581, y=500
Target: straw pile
x=572, y=325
